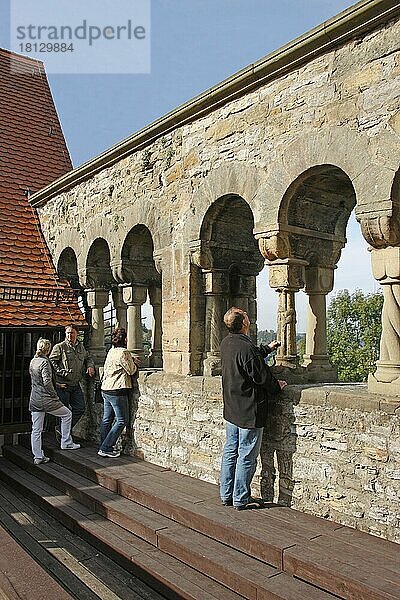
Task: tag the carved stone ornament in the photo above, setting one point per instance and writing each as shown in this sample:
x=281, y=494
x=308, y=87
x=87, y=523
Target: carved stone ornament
x=117, y=271
x=158, y=257
x=287, y=274
x=381, y=231
x=386, y=264
x=319, y=280
x=275, y=246
x=200, y=254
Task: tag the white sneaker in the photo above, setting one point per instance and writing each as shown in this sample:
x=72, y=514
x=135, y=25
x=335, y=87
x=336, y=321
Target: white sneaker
x=111, y=454
x=71, y=447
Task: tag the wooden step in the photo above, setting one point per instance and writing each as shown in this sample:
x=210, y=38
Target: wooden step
x=338, y=568
x=195, y=504
x=162, y=572
x=286, y=539
x=240, y=573
x=84, y=571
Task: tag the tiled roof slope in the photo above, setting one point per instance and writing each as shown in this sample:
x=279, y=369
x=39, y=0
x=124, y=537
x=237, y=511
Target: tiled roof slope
x=32, y=154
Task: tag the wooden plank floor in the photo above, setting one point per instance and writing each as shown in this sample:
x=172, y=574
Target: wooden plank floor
x=60, y=557
x=272, y=553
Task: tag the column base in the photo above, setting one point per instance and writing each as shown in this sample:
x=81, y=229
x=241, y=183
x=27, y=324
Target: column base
x=386, y=371
x=155, y=359
x=212, y=365
x=290, y=361
x=385, y=388
x=319, y=368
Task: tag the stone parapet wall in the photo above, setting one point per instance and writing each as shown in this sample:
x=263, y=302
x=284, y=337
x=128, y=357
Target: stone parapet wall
x=335, y=448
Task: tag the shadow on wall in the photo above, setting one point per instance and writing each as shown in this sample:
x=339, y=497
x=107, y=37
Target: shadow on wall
x=277, y=451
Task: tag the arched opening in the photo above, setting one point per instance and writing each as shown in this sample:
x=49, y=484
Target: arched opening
x=225, y=275
x=99, y=282
x=98, y=270
x=67, y=268
x=312, y=226
x=142, y=295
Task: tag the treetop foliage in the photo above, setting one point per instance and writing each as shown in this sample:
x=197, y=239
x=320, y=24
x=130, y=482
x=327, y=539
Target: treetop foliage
x=354, y=330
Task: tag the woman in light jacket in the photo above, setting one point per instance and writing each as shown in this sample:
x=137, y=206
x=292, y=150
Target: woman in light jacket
x=44, y=400
x=116, y=383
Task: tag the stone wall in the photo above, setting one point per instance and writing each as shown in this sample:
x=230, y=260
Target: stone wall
x=335, y=449
x=340, y=108
x=333, y=111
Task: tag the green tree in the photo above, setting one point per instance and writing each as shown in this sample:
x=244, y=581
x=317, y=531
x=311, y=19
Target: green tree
x=354, y=330
x=266, y=336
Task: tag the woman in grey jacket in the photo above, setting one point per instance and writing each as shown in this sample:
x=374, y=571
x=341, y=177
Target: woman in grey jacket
x=44, y=400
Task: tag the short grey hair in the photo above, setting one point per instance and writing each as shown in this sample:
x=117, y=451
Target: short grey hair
x=234, y=319
x=43, y=347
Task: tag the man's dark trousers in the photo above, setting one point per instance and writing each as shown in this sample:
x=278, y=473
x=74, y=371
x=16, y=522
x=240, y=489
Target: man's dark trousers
x=72, y=396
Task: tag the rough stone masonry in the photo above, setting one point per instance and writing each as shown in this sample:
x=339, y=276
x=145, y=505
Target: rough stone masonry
x=263, y=169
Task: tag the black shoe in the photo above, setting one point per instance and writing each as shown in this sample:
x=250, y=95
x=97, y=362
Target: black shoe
x=227, y=502
x=252, y=504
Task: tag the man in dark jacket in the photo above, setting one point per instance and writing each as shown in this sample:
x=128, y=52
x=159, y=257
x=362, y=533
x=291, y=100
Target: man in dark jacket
x=248, y=386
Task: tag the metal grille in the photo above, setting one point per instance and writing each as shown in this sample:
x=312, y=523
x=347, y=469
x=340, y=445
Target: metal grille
x=48, y=294
x=17, y=347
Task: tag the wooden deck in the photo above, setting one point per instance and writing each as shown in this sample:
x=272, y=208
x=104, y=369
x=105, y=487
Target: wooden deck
x=171, y=531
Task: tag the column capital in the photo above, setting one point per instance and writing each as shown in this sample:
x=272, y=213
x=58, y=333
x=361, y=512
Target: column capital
x=380, y=230
x=386, y=264
x=287, y=273
x=215, y=282
x=318, y=280
x=155, y=296
x=134, y=294
x=97, y=298
x=200, y=254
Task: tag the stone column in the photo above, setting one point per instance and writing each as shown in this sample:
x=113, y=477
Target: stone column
x=155, y=358
x=319, y=282
x=134, y=296
x=216, y=288
x=252, y=307
x=97, y=300
x=386, y=269
x=243, y=296
x=120, y=309
x=287, y=277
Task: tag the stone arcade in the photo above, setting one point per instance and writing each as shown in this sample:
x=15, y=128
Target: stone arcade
x=264, y=168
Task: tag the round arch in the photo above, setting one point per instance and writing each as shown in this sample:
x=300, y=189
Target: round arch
x=98, y=269
x=67, y=267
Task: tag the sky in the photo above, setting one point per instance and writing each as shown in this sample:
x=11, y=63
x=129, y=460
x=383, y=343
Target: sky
x=194, y=44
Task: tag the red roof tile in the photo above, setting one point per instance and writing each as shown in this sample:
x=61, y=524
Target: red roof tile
x=33, y=153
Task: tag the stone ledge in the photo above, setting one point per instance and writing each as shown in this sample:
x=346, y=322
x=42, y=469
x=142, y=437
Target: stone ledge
x=340, y=395
x=344, y=396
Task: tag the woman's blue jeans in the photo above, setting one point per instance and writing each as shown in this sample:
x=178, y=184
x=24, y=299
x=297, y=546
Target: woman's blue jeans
x=239, y=462
x=115, y=418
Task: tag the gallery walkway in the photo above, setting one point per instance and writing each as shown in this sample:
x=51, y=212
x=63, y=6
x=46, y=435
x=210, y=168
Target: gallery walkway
x=171, y=531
